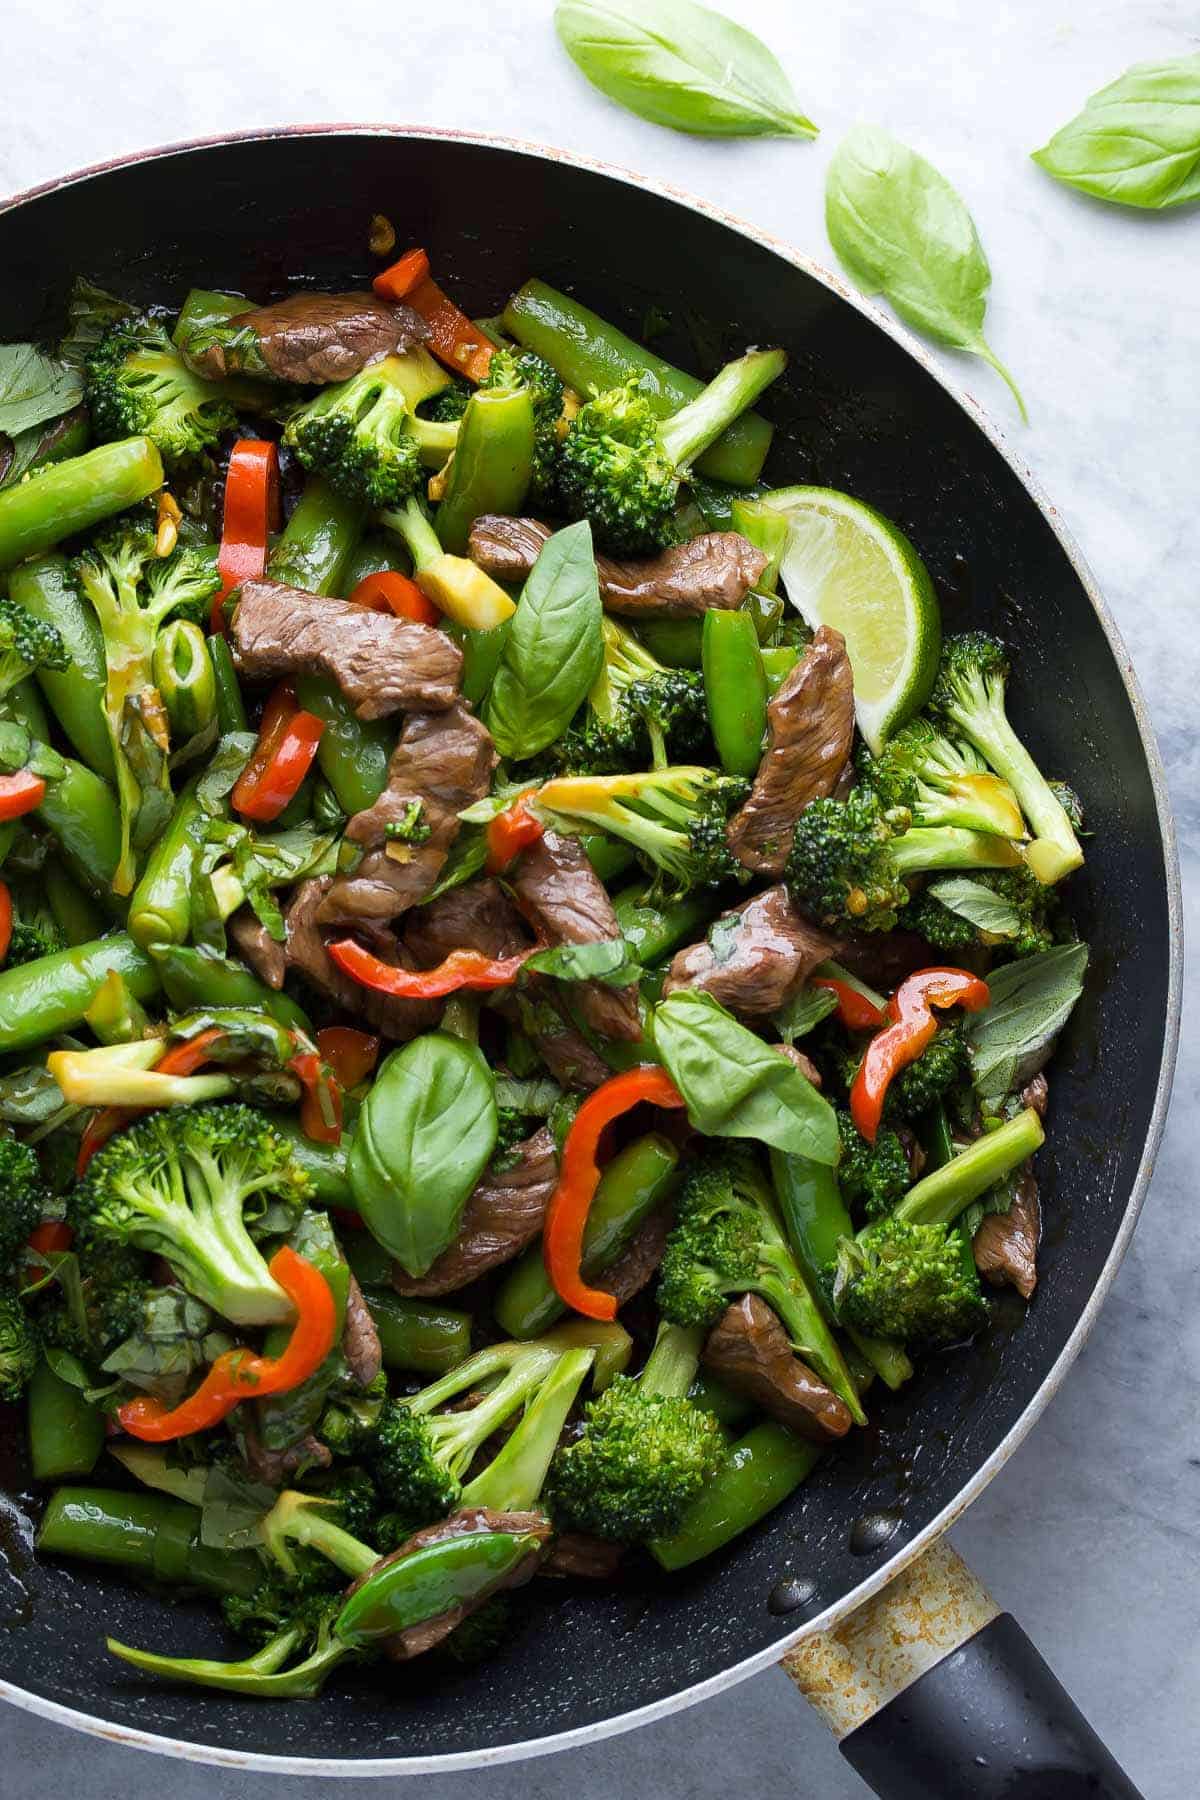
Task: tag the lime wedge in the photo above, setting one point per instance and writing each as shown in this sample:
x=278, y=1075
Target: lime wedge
x=847, y=566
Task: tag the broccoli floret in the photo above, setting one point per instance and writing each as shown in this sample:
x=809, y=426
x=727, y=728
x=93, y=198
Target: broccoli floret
x=449, y=406
x=95, y=1310
x=674, y=817
x=940, y=781
x=133, y=593
x=638, y=712
x=35, y=931
x=481, y=1634
x=350, y=1422
x=969, y=695
x=25, y=1200
x=186, y=1184
x=728, y=1240
x=1033, y=917
x=18, y=1347
x=916, y=1284
x=523, y=369
x=918, y=1087
x=851, y=859
x=365, y=435
x=873, y=1176
x=139, y=385
x=26, y=644
x=620, y=465
x=277, y=1603
x=645, y=1453
x=356, y=1497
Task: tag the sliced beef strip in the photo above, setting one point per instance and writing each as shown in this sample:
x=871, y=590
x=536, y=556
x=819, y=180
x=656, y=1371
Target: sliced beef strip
x=810, y=727
x=883, y=958
x=574, y=1556
x=318, y=338
x=381, y=663
x=464, y=1523
x=306, y=953
x=748, y=1349
x=717, y=569
x=1036, y=1093
x=562, y=897
x=798, y=1060
x=274, y=1467
x=444, y=760
x=256, y=946
x=360, y=1340
x=566, y=1052
x=638, y=1262
x=477, y=916
x=754, y=958
x=504, y=1212
x=1006, y=1244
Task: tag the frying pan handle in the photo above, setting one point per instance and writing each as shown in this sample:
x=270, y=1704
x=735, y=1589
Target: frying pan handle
x=934, y=1694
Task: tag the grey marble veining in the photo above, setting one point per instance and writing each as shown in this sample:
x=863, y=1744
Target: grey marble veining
x=1092, y=1533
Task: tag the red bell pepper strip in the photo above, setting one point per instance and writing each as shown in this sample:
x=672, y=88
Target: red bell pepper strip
x=350, y=1054
x=579, y=1177
x=390, y=592
x=287, y=744
x=321, y=1108
x=251, y=514
x=19, y=794
x=53, y=1237
x=183, y=1058
x=854, y=1010
x=510, y=832
x=461, y=969
x=452, y=337
x=6, y=920
x=912, y=1029
x=240, y=1374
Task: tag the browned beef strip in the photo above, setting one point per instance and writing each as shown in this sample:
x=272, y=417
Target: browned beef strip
x=256, y=946
x=321, y=337
x=748, y=1349
x=306, y=952
x=810, y=727
x=755, y=957
x=274, y=1467
x=565, y=1051
x=477, y=916
x=564, y=900
x=717, y=569
x=504, y=1212
x=798, y=1060
x=1006, y=1244
x=638, y=1262
x=1036, y=1093
x=883, y=958
x=444, y=760
x=464, y=1523
x=575, y=1556
x=360, y=1340
x=381, y=663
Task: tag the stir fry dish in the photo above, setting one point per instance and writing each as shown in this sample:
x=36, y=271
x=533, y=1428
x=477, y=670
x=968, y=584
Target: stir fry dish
x=527, y=963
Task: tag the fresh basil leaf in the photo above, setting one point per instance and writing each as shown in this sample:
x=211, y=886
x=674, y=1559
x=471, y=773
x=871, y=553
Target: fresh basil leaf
x=609, y=960
x=90, y=313
x=424, y=1136
x=464, y=860
x=34, y=388
x=554, y=649
x=175, y=1340
x=534, y=1098
x=1137, y=141
x=220, y=778
x=1031, y=1001
x=979, y=905
x=737, y=1086
x=681, y=65
x=68, y=1368
x=482, y=812
x=29, y=1095
x=233, y=1510
x=804, y=1012
x=902, y=230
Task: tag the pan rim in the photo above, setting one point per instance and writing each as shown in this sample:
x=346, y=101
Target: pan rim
x=579, y=1736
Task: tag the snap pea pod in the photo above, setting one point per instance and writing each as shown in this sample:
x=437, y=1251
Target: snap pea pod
x=759, y=1473
x=460, y=1571
x=778, y=661
x=42, y=999
x=25, y=704
x=421, y=1335
x=352, y=753
x=160, y=907
x=729, y=1408
x=81, y=811
x=66, y=1432
x=482, y=651
x=184, y=676
x=767, y=529
x=148, y=1534
x=653, y=931
x=592, y=355
x=314, y=549
x=325, y=1166
x=115, y=1017
x=69, y=497
x=76, y=916
x=492, y=466
x=193, y=977
x=675, y=642
x=231, y=709
x=632, y=1185
x=203, y=309
x=76, y=693
x=735, y=688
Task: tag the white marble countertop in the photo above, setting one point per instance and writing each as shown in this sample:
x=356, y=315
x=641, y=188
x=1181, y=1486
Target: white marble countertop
x=1091, y=1535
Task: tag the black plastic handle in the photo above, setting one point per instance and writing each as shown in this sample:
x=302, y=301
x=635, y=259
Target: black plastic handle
x=990, y=1721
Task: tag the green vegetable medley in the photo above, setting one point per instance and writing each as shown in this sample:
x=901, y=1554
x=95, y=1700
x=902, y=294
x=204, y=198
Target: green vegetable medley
x=495, y=1070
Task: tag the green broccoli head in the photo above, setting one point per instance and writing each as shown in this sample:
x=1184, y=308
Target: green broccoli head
x=675, y=818
x=411, y=1463
x=134, y=591
x=940, y=781
x=510, y=368
x=916, y=1284
x=139, y=385
x=18, y=1347
x=350, y=1421
x=309, y=1599
x=356, y=1497
x=1031, y=916
x=25, y=1201
x=638, y=1464
x=726, y=1238
x=871, y=1176
x=26, y=644
x=614, y=470
x=187, y=1184
x=448, y=406
x=365, y=435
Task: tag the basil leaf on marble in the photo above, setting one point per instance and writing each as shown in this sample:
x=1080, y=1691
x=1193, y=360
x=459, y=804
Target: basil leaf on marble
x=1137, y=141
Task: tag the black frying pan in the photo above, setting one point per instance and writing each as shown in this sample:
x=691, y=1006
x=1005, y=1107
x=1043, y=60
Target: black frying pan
x=861, y=410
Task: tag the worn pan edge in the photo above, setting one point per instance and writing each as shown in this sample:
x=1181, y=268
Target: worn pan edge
x=764, y=1659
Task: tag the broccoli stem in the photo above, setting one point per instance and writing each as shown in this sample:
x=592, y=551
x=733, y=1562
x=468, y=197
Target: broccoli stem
x=262, y=1676
x=70, y=497
x=513, y=1479
x=1055, y=850
x=922, y=849
x=673, y=1361
x=938, y=1198
x=693, y=430
x=298, y=1518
